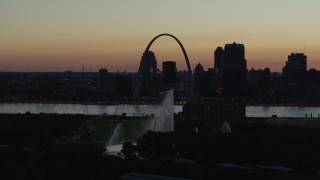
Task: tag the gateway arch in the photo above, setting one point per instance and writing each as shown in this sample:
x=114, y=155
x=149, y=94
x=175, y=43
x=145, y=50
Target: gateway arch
x=190, y=71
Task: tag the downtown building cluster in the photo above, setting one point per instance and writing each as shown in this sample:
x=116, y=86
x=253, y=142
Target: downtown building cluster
x=229, y=77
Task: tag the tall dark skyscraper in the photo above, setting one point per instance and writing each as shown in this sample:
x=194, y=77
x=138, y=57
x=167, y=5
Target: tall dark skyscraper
x=148, y=64
x=169, y=74
x=295, y=68
x=149, y=77
x=234, y=68
x=218, y=58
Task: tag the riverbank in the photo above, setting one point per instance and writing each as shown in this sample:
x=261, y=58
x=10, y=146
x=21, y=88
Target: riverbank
x=284, y=104
x=303, y=122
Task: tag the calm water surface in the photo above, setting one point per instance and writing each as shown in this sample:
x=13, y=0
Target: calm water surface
x=251, y=111
x=80, y=109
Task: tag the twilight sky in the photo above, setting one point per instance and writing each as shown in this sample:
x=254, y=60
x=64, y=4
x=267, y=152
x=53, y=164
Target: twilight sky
x=56, y=35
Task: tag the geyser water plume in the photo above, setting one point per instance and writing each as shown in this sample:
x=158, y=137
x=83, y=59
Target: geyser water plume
x=225, y=127
x=165, y=121
x=115, y=135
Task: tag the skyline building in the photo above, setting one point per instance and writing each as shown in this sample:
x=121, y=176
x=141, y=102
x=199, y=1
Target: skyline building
x=148, y=66
x=218, y=58
x=295, y=68
x=259, y=79
x=149, y=76
x=198, y=69
x=234, y=68
x=148, y=63
x=169, y=74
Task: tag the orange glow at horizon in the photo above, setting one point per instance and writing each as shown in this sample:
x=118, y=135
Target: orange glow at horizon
x=112, y=58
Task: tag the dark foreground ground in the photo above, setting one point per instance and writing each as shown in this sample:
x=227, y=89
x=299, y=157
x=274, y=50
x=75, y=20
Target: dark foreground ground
x=39, y=147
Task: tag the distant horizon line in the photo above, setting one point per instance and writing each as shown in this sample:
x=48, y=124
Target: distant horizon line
x=129, y=72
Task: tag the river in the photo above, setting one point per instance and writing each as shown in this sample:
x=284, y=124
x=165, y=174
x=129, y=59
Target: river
x=251, y=111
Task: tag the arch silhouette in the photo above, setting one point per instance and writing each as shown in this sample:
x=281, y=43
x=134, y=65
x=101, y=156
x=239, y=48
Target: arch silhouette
x=183, y=50
x=190, y=71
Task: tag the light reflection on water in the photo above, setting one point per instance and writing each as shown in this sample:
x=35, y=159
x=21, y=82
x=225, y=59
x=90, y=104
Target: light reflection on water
x=15, y=108
x=251, y=111
x=282, y=111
